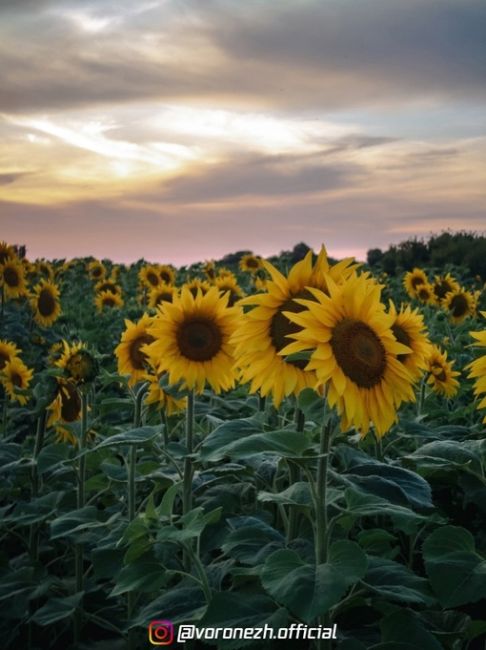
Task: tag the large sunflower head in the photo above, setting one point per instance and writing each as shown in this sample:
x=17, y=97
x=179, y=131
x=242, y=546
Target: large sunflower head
x=192, y=340
x=8, y=351
x=65, y=409
x=478, y=369
x=354, y=352
x=441, y=375
x=460, y=304
x=408, y=328
x=444, y=284
x=15, y=377
x=149, y=276
x=45, y=303
x=96, y=270
x=263, y=331
x=412, y=281
x=196, y=285
x=162, y=293
x=131, y=359
x=12, y=278
x=425, y=294
x=251, y=263
x=108, y=300
x=79, y=365
x=229, y=284
x=167, y=274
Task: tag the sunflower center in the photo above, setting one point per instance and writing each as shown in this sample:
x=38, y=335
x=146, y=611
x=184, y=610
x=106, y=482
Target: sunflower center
x=402, y=337
x=459, y=305
x=4, y=358
x=165, y=277
x=108, y=286
x=137, y=357
x=442, y=288
x=70, y=404
x=416, y=281
x=97, y=272
x=438, y=372
x=153, y=278
x=108, y=302
x=252, y=263
x=281, y=326
x=359, y=352
x=199, y=339
x=164, y=297
x=11, y=276
x=423, y=294
x=16, y=379
x=46, y=303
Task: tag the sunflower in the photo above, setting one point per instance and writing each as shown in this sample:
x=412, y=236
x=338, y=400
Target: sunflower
x=16, y=376
x=78, y=363
x=260, y=283
x=441, y=376
x=160, y=397
x=6, y=252
x=478, y=369
x=107, y=299
x=192, y=340
x=45, y=269
x=149, y=276
x=251, y=263
x=444, y=284
x=196, y=285
x=108, y=285
x=45, y=303
x=167, y=274
x=209, y=269
x=12, y=278
x=425, y=294
x=408, y=328
x=460, y=304
x=230, y=285
x=162, y=293
x=263, y=331
x=65, y=409
x=412, y=280
x=96, y=270
x=131, y=360
x=8, y=351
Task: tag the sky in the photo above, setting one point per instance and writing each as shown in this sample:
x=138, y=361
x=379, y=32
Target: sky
x=182, y=130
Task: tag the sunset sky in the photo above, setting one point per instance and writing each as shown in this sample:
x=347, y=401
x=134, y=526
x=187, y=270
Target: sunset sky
x=183, y=130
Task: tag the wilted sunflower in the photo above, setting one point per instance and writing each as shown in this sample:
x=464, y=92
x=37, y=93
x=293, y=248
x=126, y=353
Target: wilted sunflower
x=8, y=351
x=409, y=329
x=167, y=274
x=96, y=270
x=6, y=252
x=192, y=340
x=478, y=369
x=263, y=331
x=12, y=278
x=229, y=284
x=45, y=303
x=78, y=363
x=149, y=276
x=251, y=263
x=460, y=304
x=131, y=360
x=65, y=409
x=425, y=294
x=441, y=376
x=444, y=284
x=412, y=280
x=108, y=285
x=108, y=300
x=354, y=353
x=16, y=376
x=162, y=293
x=196, y=285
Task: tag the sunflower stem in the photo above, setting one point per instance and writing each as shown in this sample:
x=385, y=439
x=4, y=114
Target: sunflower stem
x=294, y=477
x=188, y=467
x=81, y=499
x=421, y=399
x=4, y=416
x=39, y=441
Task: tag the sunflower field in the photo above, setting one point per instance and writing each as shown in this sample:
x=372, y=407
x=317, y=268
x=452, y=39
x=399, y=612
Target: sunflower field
x=256, y=444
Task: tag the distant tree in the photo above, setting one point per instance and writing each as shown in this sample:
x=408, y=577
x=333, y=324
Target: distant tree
x=374, y=256
x=299, y=251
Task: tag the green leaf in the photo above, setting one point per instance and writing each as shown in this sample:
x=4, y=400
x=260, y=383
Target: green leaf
x=362, y=504
x=16, y=582
x=297, y=494
x=137, y=436
x=193, y=524
x=57, y=609
x=457, y=573
x=180, y=604
x=311, y=404
x=145, y=575
x=309, y=590
x=166, y=506
x=396, y=582
x=405, y=624
x=252, y=541
x=445, y=455
x=52, y=457
x=76, y=521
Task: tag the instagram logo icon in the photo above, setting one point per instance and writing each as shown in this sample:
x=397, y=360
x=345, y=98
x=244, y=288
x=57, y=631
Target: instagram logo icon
x=161, y=632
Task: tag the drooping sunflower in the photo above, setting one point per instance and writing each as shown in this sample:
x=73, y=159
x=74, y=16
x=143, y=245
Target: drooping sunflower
x=16, y=376
x=131, y=360
x=79, y=365
x=12, y=278
x=196, y=285
x=478, y=369
x=192, y=340
x=262, y=332
x=251, y=263
x=8, y=351
x=96, y=270
x=354, y=353
x=108, y=300
x=444, y=284
x=408, y=328
x=412, y=280
x=108, y=285
x=6, y=252
x=149, y=276
x=441, y=375
x=65, y=409
x=160, y=397
x=167, y=274
x=460, y=304
x=162, y=293
x=45, y=303
x=229, y=284
x=425, y=294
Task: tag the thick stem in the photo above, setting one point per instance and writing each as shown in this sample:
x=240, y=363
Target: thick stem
x=188, y=469
x=421, y=399
x=81, y=500
x=39, y=441
x=294, y=477
x=4, y=416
